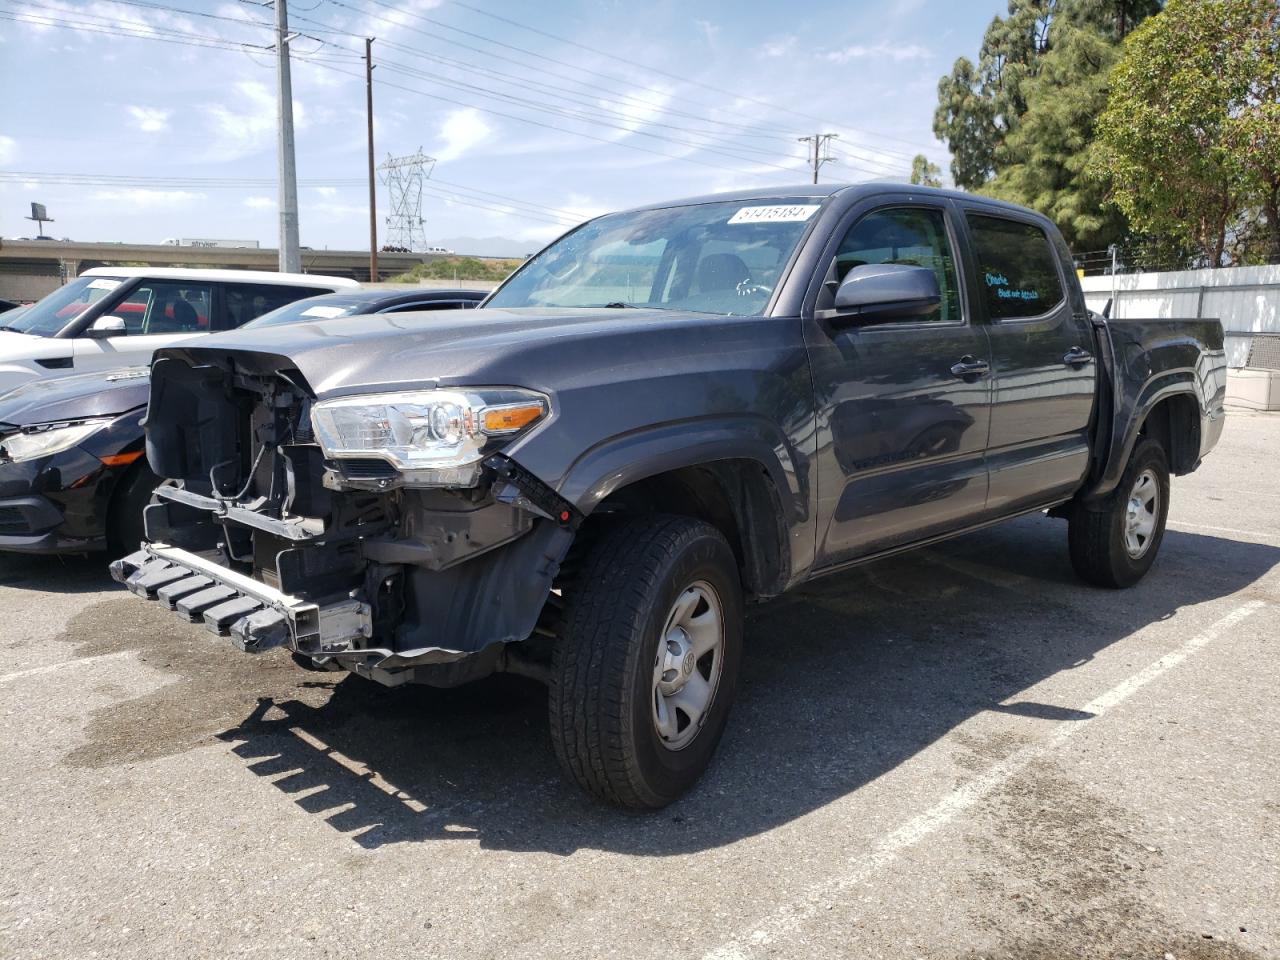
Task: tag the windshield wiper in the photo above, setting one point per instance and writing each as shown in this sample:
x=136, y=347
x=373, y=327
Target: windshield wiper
x=12, y=330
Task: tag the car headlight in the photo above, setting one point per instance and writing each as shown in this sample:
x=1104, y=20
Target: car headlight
x=435, y=438
x=44, y=439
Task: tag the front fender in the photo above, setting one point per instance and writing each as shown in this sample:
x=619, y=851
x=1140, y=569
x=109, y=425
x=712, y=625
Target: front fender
x=622, y=460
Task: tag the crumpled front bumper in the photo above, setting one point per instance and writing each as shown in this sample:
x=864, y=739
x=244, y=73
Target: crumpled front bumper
x=255, y=615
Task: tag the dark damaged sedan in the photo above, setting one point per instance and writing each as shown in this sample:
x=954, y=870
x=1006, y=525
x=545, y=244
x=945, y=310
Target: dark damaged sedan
x=73, y=475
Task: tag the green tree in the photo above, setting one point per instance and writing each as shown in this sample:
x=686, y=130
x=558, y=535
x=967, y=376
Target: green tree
x=1046, y=159
x=965, y=121
x=1189, y=144
x=924, y=173
x=1020, y=125
x=979, y=106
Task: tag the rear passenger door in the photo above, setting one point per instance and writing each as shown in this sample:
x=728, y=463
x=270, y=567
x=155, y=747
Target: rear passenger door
x=1041, y=357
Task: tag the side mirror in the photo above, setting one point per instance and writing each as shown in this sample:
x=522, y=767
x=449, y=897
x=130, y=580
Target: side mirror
x=876, y=292
x=105, y=327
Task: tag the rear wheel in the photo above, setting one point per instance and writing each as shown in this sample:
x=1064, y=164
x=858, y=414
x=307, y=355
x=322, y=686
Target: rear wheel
x=1116, y=544
x=646, y=667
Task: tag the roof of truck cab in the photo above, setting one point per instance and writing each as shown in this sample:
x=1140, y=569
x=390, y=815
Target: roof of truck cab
x=228, y=276
x=820, y=191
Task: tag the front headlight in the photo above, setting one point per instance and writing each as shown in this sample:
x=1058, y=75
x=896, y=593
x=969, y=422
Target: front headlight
x=435, y=438
x=47, y=438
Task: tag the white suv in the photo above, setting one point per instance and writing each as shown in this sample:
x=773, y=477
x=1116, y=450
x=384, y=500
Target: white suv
x=117, y=316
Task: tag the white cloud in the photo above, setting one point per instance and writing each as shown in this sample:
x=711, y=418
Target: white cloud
x=709, y=30
x=637, y=108
x=248, y=126
x=327, y=191
x=461, y=130
x=143, y=198
x=386, y=22
x=780, y=47
x=150, y=119
x=90, y=18
x=8, y=149
x=894, y=51
x=259, y=203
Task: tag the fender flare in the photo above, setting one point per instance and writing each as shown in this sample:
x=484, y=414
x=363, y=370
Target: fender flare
x=626, y=458
x=1171, y=383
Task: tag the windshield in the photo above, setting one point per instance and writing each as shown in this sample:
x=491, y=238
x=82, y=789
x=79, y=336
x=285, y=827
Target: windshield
x=46, y=317
x=724, y=257
x=313, y=308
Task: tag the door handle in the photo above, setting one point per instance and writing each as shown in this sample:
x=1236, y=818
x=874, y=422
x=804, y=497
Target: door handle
x=970, y=369
x=1077, y=358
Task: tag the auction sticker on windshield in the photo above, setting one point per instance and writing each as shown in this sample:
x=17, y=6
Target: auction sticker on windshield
x=798, y=212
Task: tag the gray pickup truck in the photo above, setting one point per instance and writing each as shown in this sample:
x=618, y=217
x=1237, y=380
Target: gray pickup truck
x=665, y=414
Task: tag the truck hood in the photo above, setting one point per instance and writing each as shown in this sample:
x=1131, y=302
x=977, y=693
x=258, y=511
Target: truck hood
x=503, y=347
x=79, y=396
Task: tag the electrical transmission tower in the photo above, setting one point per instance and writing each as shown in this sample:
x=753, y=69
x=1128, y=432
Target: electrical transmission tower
x=821, y=152
x=404, y=177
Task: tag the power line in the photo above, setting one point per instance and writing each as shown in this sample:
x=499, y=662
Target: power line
x=538, y=123
x=612, y=55
x=596, y=75
x=594, y=118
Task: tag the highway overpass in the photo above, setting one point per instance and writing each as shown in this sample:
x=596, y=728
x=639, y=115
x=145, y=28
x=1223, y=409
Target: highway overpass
x=29, y=269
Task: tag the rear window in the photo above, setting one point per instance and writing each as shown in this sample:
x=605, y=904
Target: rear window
x=1017, y=269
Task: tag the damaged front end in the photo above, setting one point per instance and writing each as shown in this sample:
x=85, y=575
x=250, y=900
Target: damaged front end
x=383, y=533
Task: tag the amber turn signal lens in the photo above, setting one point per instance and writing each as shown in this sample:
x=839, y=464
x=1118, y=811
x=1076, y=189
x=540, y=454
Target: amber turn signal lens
x=122, y=459
x=507, y=419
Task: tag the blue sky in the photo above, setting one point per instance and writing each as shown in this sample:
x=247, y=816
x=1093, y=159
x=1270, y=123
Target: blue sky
x=724, y=89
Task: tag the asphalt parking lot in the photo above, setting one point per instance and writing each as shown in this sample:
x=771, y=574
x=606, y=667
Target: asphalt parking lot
x=963, y=752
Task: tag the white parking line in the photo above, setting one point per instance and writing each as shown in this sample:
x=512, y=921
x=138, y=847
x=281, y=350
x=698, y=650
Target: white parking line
x=52, y=667
x=792, y=917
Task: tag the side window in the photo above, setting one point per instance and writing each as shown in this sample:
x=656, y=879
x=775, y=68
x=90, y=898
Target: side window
x=243, y=302
x=909, y=235
x=1016, y=267
x=166, y=306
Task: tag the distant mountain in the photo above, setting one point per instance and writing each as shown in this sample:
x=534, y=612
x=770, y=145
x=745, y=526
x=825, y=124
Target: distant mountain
x=487, y=246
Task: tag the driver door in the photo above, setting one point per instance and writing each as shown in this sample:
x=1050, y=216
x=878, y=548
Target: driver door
x=157, y=313
x=904, y=406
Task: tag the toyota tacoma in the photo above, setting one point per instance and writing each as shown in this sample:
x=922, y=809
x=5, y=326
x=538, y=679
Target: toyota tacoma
x=666, y=414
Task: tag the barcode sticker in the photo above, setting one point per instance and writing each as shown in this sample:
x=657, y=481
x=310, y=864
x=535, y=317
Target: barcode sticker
x=795, y=213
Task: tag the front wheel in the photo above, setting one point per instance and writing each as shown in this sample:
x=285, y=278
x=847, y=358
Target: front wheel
x=1116, y=544
x=646, y=667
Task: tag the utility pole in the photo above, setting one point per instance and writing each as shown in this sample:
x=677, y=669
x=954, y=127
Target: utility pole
x=821, y=152
x=290, y=256
x=373, y=197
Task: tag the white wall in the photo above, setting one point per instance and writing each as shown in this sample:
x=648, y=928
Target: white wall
x=1245, y=299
